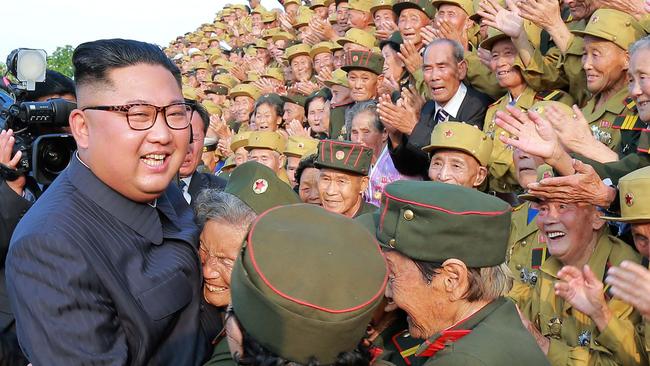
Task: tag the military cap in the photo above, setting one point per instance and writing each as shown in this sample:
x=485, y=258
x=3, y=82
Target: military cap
x=297, y=50
x=466, y=5
x=218, y=90
x=266, y=140
x=358, y=36
x=303, y=17
x=316, y=4
x=201, y=65
x=190, y=93
x=461, y=136
x=274, y=73
x=211, y=107
x=282, y=36
x=635, y=205
x=194, y=51
x=220, y=71
x=220, y=25
x=321, y=47
x=395, y=39
x=259, y=187
x=424, y=6
x=324, y=93
x=270, y=98
x=300, y=146
x=260, y=43
x=239, y=140
x=300, y=323
x=433, y=222
x=250, y=51
x=339, y=77
x=332, y=18
x=226, y=80
x=269, y=17
x=494, y=35
x=298, y=99
x=268, y=33
x=244, y=89
x=360, y=5
x=210, y=144
x=258, y=10
x=251, y=76
x=213, y=51
x=238, y=6
x=543, y=171
x=344, y=155
x=287, y=2
x=218, y=61
x=380, y=4
x=364, y=60
x=229, y=163
x=614, y=26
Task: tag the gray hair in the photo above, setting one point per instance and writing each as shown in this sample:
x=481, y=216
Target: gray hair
x=639, y=45
x=488, y=283
x=368, y=106
x=214, y=204
x=458, y=51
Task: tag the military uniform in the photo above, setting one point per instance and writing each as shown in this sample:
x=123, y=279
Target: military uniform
x=337, y=112
x=271, y=140
x=247, y=90
x=574, y=338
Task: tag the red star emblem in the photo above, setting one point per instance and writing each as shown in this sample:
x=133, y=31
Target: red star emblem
x=260, y=186
x=547, y=174
x=629, y=199
x=449, y=133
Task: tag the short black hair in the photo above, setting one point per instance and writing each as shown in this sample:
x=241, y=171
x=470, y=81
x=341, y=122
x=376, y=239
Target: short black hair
x=306, y=162
x=202, y=111
x=93, y=60
x=55, y=83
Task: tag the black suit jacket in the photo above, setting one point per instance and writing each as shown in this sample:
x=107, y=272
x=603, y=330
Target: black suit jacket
x=201, y=181
x=95, y=278
x=408, y=157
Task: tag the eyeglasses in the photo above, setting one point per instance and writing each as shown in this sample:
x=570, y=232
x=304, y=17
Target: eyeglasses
x=142, y=116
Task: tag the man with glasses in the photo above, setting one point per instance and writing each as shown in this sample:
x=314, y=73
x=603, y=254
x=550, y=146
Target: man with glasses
x=104, y=268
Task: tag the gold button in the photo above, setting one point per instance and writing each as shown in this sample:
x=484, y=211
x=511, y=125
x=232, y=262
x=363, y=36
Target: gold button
x=518, y=266
x=408, y=215
x=391, y=243
x=596, y=343
x=523, y=243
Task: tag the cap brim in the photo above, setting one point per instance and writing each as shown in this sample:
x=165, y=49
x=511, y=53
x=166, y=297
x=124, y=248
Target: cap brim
x=489, y=42
x=430, y=148
x=583, y=33
x=629, y=220
x=397, y=8
x=529, y=197
x=351, y=67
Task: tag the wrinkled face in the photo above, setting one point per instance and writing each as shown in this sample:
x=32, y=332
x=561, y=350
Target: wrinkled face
x=292, y=9
x=292, y=165
x=342, y=13
x=338, y=59
x=322, y=61
x=358, y=19
x=316, y=115
x=568, y=229
x=321, y=12
x=308, y=188
x=293, y=111
x=364, y=131
x=195, y=149
x=641, y=235
x=137, y=164
x=266, y=118
x=339, y=93
x=363, y=85
x=202, y=75
x=270, y=158
x=605, y=65
x=301, y=67
x=263, y=55
x=243, y=108
x=502, y=62
x=526, y=167
x=580, y=9
x=340, y=192
x=241, y=156
x=426, y=305
x=639, y=82
x=453, y=14
x=256, y=19
x=383, y=17
x=456, y=167
x=410, y=22
x=219, y=245
x=393, y=66
x=442, y=73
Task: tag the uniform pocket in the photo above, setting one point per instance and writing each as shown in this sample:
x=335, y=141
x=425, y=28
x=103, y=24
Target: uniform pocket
x=167, y=297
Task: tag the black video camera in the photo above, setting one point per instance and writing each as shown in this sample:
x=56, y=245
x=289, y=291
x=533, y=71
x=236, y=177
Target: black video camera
x=44, y=154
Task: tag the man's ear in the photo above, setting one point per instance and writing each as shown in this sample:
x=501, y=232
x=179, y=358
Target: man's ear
x=480, y=176
x=462, y=70
x=79, y=128
x=596, y=222
x=364, y=183
x=455, y=278
x=282, y=162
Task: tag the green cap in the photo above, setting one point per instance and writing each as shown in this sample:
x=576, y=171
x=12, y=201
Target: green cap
x=381, y=4
x=466, y=5
x=274, y=73
x=190, y=93
x=493, y=36
x=297, y=50
x=614, y=26
x=211, y=107
x=364, y=60
x=358, y=36
x=259, y=187
x=461, y=136
x=330, y=314
x=321, y=47
x=226, y=80
x=300, y=146
x=424, y=6
x=339, y=77
x=303, y=17
x=266, y=140
x=345, y=156
x=217, y=89
x=360, y=5
x=635, y=203
x=395, y=39
x=543, y=171
x=298, y=99
x=239, y=140
x=433, y=222
x=244, y=89
x=201, y=65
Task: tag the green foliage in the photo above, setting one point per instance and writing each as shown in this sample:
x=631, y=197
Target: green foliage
x=3, y=68
x=61, y=60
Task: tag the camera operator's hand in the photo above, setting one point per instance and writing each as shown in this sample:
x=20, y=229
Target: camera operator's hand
x=6, y=146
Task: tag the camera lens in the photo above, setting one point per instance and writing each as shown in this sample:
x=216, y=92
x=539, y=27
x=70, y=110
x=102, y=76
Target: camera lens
x=54, y=156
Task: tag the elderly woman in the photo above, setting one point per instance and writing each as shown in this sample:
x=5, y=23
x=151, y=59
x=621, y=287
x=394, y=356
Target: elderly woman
x=268, y=111
x=451, y=288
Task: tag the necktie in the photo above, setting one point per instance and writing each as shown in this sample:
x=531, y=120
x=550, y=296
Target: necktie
x=184, y=188
x=441, y=116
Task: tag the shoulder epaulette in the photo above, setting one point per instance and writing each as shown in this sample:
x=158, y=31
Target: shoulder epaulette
x=629, y=103
x=517, y=208
x=553, y=95
x=628, y=122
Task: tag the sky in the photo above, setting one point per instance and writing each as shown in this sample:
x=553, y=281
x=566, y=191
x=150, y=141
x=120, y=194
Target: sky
x=47, y=24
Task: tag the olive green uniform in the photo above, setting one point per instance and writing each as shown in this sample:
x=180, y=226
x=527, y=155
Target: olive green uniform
x=365, y=208
x=337, y=121
x=574, y=338
x=221, y=355
x=503, y=177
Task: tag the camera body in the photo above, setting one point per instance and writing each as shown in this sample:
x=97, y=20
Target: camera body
x=36, y=125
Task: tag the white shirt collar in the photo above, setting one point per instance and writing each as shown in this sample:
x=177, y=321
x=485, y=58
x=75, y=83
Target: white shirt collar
x=453, y=105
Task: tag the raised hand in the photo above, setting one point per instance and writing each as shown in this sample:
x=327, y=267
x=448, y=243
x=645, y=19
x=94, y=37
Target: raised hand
x=584, y=292
x=7, y=141
x=496, y=16
x=631, y=283
x=530, y=132
x=410, y=56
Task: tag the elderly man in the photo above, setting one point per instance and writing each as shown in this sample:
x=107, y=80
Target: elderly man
x=297, y=148
x=589, y=325
x=302, y=65
x=344, y=169
x=341, y=101
x=266, y=148
x=364, y=70
x=360, y=16
x=460, y=154
x=243, y=97
x=122, y=280
x=444, y=70
x=451, y=288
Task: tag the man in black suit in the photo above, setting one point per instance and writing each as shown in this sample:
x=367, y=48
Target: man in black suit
x=104, y=268
x=444, y=69
x=191, y=181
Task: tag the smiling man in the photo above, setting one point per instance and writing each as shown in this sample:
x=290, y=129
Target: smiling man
x=122, y=283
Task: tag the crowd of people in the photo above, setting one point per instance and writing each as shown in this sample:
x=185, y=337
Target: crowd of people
x=349, y=183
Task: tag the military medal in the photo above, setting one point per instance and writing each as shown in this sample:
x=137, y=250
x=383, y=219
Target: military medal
x=584, y=338
x=555, y=327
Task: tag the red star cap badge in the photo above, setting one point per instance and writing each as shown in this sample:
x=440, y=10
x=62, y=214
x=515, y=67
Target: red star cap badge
x=449, y=133
x=629, y=199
